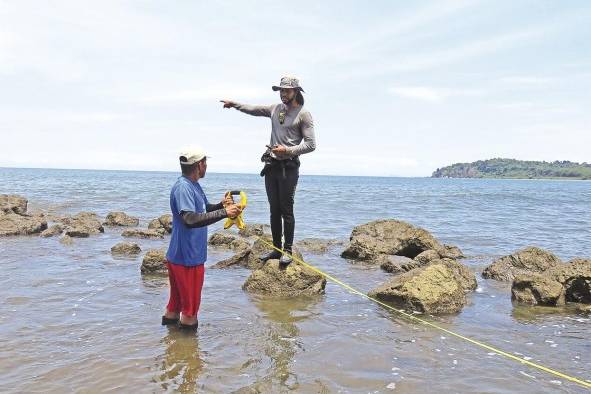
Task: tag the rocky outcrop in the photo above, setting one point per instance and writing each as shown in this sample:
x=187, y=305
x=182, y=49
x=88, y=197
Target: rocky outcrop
x=315, y=245
x=142, y=233
x=527, y=261
x=82, y=225
x=274, y=280
x=126, y=249
x=228, y=241
x=427, y=256
x=437, y=288
x=250, y=257
x=575, y=276
x=15, y=224
x=451, y=252
x=537, y=289
x=398, y=264
x=388, y=237
x=240, y=259
x=52, y=231
x=163, y=224
x=12, y=203
x=565, y=282
x=254, y=230
x=120, y=219
x=153, y=262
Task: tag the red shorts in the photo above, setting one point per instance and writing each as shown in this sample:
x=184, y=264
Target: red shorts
x=185, y=288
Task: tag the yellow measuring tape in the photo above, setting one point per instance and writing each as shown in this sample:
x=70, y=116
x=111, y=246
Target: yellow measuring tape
x=424, y=322
x=238, y=220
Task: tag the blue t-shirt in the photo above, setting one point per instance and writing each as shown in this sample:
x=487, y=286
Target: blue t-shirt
x=188, y=246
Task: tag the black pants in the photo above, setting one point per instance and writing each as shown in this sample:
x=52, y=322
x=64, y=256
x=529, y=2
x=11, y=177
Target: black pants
x=280, y=182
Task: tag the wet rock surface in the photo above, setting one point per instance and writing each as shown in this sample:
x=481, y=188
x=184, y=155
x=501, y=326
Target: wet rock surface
x=565, y=282
x=120, y=219
x=526, y=261
x=14, y=224
x=388, y=237
x=52, y=231
x=142, y=233
x=126, y=249
x=275, y=280
x=82, y=225
x=254, y=230
x=163, y=224
x=438, y=288
x=228, y=240
x=12, y=203
x=154, y=262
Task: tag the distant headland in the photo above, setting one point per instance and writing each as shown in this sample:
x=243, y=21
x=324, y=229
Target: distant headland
x=515, y=169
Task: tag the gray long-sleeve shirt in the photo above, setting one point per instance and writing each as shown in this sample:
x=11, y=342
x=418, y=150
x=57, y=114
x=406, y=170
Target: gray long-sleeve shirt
x=296, y=132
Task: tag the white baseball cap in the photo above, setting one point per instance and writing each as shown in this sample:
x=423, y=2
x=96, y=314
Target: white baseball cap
x=191, y=155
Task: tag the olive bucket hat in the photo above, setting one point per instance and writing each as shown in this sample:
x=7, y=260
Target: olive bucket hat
x=288, y=83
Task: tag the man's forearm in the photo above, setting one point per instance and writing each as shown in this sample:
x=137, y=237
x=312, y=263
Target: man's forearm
x=254, y=110
x=214, y=207
x=194, y=219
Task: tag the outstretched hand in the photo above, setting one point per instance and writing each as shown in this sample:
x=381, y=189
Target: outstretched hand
x=228, y=103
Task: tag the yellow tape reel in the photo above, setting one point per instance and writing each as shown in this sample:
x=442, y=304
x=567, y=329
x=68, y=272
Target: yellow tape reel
x=238, y=220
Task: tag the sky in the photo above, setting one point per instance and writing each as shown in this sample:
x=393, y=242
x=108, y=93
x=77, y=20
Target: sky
x=396, y=88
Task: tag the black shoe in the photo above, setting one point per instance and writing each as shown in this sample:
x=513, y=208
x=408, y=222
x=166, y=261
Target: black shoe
x=166, y=321
x=286, y=259
x=188, y=327
x=271, y=255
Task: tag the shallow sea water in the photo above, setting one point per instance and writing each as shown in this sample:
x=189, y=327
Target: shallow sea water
x=75, y=319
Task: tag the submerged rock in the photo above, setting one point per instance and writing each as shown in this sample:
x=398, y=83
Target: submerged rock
x=154, y=262
x=120, y=219
x=126, y=248
x=530, y=260
x=55, y=229
x=12, y=203
x=436, y=289
x=66, y=240
x=15, y=224
x=162, y=224
x=388, y=237
x=294, y=280
x=228, y=241
x=142, y=233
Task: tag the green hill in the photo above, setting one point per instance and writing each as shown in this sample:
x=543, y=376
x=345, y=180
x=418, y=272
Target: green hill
x=515, y=169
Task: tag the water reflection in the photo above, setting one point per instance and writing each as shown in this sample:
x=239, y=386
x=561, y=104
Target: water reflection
x=181, y=364
x=283, y=341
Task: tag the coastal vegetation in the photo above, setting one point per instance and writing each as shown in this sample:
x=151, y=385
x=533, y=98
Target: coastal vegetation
x=516, y=169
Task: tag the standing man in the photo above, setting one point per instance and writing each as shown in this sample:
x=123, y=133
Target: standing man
x=292, y=135
x=187, y=252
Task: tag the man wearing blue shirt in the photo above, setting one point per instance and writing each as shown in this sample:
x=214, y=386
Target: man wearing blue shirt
x=187, y=252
